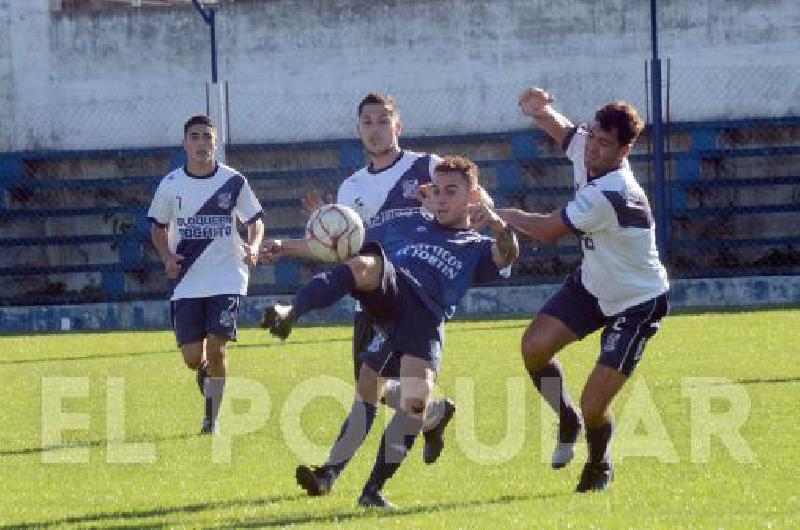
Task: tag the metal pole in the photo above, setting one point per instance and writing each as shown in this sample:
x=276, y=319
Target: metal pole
x=663, y=210
x=212, y=17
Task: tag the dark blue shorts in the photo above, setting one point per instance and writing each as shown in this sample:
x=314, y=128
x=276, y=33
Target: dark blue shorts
x=411, y=328
x=624, y=335
x=193, y=319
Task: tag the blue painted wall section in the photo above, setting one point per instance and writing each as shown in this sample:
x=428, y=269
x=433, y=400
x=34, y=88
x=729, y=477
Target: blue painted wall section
x=522, y=301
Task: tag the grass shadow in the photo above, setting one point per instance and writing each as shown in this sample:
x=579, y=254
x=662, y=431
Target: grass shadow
x=336, y=518
x=89, y=444
x=154, y=512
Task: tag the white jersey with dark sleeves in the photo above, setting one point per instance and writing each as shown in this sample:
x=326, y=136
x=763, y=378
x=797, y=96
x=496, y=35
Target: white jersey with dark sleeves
x=378, y=196
x=201, y=215
x=612, y=217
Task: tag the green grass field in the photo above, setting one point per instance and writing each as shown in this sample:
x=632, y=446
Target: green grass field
x=472, y=486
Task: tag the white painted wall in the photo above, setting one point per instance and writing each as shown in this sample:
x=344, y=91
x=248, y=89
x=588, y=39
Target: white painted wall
x=297, y=68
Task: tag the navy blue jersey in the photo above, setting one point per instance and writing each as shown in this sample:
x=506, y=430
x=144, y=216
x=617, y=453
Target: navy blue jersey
x=439, y=263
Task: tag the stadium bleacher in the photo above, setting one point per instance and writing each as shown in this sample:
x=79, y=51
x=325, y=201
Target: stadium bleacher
x=74, y=227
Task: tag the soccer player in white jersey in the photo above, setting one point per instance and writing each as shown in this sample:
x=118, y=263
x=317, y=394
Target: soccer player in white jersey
x=194, y=217
x=383, y=190
x=621, y=285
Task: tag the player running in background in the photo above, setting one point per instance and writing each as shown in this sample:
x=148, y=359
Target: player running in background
x=409, y=276
x=380, y=191
x=621, y=285
x=194, y=218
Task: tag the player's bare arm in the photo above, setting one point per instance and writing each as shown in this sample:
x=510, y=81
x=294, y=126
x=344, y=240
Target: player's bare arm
x=172, y=262
x=274, y=249
x=543, y=228
x=535, y=103
x=255, y=233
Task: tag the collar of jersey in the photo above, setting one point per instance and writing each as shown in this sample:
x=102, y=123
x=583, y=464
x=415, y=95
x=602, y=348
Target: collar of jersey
x=590, y=179
x=440, y=226
x=396, y=160
x=192, y=175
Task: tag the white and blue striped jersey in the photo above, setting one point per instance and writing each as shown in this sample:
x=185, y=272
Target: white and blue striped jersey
x=201, y=215
x=378, y=196
x=612, y=217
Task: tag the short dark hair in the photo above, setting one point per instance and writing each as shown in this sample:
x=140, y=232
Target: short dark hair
x=376, y=98
x=199, y=119
x=621, y=117
x=460, y=164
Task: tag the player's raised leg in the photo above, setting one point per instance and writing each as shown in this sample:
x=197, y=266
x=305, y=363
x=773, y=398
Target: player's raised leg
x=362, y=273
x=543, y=338
x=417, y=379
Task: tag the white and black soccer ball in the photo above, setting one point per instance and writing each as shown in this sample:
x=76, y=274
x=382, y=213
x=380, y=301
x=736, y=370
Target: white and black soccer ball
x=334, y=233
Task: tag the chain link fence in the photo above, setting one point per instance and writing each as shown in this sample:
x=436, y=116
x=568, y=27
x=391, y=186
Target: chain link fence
x=73, y=220
x=734, y=183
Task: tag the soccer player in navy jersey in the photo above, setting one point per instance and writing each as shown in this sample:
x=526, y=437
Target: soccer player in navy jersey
x=194, y=216
x=621, y=285
x=409, y=276
x=380, y=191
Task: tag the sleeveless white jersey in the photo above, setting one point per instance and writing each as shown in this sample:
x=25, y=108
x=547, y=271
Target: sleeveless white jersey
x=612, y=217
x=201, y=214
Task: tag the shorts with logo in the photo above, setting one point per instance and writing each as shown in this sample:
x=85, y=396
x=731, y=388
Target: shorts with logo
x=193, y=319
x=624, y=334
x=410, y=327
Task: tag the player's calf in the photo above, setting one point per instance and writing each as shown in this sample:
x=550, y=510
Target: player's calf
x=434, y=435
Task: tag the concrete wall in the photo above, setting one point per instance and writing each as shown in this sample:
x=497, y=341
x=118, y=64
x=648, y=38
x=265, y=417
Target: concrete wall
x=296, y=68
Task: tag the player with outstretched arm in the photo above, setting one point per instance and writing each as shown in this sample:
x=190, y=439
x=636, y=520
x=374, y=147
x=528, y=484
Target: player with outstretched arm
x=620, y=287
x=409, y=276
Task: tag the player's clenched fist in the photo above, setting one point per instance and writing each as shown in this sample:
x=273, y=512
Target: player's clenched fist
x=270, y=251
x=481, y=216
x=534, y=101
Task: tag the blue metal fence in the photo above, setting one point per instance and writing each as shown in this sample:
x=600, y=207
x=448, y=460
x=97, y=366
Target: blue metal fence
x=732, y=208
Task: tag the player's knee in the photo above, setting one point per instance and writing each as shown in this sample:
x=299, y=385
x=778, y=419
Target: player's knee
x=415, y=406
x=365, y=271
x=192, y=361
x=536, y=350
x=192, y=355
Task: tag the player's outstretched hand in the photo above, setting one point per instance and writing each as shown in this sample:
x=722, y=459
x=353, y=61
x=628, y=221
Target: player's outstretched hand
x=481, y=216
x=173, y=266
x=313, y=201
x=270, y=251
x=485, y=198
x=250, y=255
x=533, y=101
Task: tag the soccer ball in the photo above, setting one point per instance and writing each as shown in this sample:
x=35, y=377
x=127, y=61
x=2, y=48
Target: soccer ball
x=334, y=233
